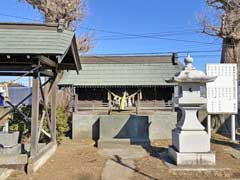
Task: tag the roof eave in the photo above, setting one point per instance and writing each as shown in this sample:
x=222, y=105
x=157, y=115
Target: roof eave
x=74, y=50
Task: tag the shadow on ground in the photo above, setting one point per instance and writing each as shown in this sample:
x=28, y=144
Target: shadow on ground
x=118, y=160
x=154, y=151
x=226, y=143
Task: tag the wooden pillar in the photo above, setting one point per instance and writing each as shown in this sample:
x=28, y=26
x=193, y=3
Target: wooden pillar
x=75, y=100
x=138, y=103
x=175, y=98
x=155, y=96
x=35, y=113
x=109, y=103
x=53, y=112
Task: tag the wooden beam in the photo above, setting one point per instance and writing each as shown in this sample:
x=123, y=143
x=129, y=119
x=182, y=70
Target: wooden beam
x=53, y=112
x=41, y=124
x=45, y=104
x=14, y=73
x=47, y=73
x=45, y=60
x=35, y=113
x=68, y=66
x=16, y=106
x=54, y=83
x=19, y=68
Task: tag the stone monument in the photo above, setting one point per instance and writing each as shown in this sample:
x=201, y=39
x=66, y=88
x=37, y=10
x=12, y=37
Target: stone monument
x=190, y=141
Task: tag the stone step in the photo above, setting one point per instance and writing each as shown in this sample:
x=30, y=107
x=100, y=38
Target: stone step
x=13, y=150
x=121, y=143
x=9, y=139
x=13, y=159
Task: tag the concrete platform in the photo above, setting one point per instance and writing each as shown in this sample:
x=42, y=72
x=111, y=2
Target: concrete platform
x=157, y=125
x=13, y=159
x=121, y=143
x=8, y=140
x=13, y=150
x=197, y=158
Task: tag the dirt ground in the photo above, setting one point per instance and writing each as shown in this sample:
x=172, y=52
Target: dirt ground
x=72, y=161
x=81, y=161
x=152, y=167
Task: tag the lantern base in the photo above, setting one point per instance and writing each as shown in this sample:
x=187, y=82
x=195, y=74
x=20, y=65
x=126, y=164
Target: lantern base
x=196, y=158
x=190, y=141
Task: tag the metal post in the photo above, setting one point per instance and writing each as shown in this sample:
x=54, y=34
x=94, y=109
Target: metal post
x=209, y=125
x=233, y=128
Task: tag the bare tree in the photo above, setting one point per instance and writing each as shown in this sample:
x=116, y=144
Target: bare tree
x=54, y=10
x=227, y=28
x=84, y=43
x=224, y=22
x=72, y=11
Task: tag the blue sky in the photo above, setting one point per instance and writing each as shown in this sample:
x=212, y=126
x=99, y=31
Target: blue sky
x=136, y=26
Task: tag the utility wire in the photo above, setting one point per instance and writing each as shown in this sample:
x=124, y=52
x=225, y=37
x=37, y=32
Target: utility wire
x=156, y=33
x=20, y=17
x=157, y=53
x=120, y=33
x=144, y=36
x=129, y=38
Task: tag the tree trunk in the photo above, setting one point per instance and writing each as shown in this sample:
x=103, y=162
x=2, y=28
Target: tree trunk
x=231, y=53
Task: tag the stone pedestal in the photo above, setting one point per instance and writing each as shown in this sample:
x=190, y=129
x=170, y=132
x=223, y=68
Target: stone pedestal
x=9, y=143
x=192, y=158
x=191, y=143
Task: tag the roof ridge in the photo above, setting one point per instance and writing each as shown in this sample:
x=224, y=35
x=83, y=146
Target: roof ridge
x=15, y=25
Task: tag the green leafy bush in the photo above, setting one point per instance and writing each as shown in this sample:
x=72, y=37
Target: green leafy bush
x=17, y=123
x=21, y=123
x=62, y=123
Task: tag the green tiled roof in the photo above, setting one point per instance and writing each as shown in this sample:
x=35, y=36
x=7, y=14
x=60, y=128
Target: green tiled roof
x=34, y=41
x=121, y=74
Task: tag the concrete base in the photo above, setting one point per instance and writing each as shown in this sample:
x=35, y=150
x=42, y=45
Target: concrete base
x=190, y=141
x=157, y=125
x=85, y=126
x=14, y=159
x=8, y=140
x=34, y=163
x=198, y=158
x=121, y=143
x=13, y=150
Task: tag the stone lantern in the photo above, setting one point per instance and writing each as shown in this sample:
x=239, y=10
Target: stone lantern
x=190, y=141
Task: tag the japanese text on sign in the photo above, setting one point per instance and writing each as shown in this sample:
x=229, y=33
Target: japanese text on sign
x=222, y=93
